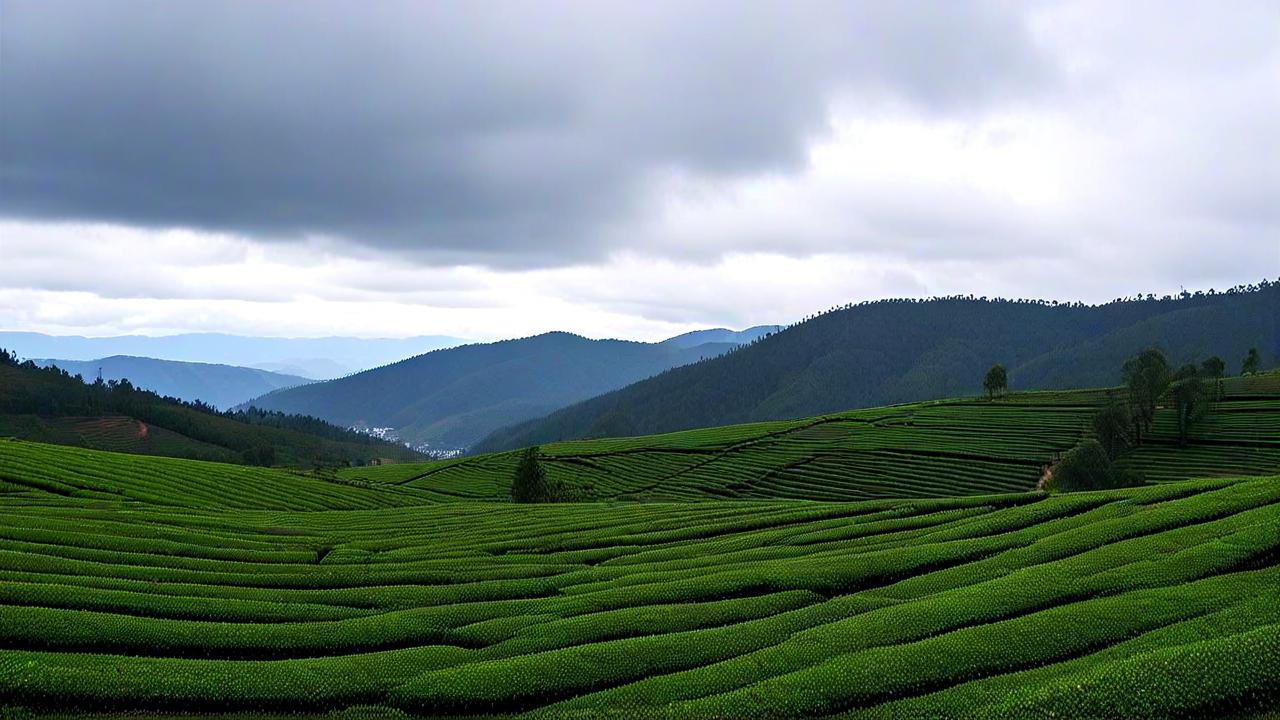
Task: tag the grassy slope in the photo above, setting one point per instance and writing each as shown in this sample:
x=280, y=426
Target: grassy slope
x=948, y=447
x=131, y=583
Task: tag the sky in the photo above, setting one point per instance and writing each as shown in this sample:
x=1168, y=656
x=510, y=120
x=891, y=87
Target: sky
x=620, y=169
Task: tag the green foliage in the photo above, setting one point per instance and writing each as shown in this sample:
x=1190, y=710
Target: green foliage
x=613, y=424
x=1113, y=428
x=1191, y=396
x=529, y=483
x=1088, y=467
x=1251, y=362
x=1213, y=368
x=996, y=381
x=1147, y=376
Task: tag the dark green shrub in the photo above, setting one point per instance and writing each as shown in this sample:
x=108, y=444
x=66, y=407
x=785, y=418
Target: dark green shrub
x=531, y=484
x=1088, y=467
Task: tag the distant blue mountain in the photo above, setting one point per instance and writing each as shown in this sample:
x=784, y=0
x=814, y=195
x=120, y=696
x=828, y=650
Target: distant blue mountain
x=314, y=358
x=721, y=335
x=451, y=398
x=219, y=385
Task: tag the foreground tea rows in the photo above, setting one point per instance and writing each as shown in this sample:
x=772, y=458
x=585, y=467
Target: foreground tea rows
x=1154, y=600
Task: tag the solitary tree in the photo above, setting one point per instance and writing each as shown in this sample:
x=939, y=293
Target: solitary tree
x=1213, y=368
x=997, y=381
x=1250, y=363
x=1147, y=376
x=530, y=482
x=1191, y=397
x=1212, y=371
x=1113, y=427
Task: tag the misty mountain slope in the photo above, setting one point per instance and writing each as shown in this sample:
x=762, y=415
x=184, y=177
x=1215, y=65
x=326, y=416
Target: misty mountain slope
x=314, y=358
x=903, y=350
x=454, y=397
x=219, y=385
x=721, y=335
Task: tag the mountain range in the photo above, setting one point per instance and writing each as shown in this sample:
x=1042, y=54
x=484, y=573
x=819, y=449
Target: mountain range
x=311, y=358
x=453, y=397
x=221, y=386
x=893, y=351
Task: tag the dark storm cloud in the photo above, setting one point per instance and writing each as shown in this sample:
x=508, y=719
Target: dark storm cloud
x=480, y=132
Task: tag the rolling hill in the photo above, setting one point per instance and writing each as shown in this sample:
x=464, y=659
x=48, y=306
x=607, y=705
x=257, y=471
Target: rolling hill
x=450, y=398
x=134, y=586
x=221, y=386
x=49, y=405
x=905, y=350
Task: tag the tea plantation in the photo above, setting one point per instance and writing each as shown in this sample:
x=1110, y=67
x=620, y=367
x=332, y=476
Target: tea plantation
x=888, y=563
x=952, y=447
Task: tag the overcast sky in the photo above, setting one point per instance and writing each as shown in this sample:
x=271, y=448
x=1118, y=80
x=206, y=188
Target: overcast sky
x=620, y=169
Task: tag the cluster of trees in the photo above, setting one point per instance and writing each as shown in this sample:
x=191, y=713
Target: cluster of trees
x=1121, y=424
x=1087, y=466
x=255, y=437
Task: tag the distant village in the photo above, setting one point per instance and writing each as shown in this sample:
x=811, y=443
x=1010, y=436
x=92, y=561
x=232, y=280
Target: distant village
x=390, y=434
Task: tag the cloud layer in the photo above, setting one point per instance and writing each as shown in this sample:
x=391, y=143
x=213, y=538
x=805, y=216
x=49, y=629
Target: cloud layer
x=505, y=133
x=483, y=169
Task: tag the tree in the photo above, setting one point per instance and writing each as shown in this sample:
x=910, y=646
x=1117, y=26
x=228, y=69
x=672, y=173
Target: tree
x=1087, y=467
x=1191, y=398
x=1213, y=368
x=996, y=382
x=1147, y=376
x=1249, y=365
x=1212, y=371
x=530, y=484
x=1113, y=427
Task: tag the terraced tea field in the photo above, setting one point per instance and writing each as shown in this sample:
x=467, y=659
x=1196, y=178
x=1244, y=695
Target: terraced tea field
x=951, y=447
x=140, y=586
x=1010, y=605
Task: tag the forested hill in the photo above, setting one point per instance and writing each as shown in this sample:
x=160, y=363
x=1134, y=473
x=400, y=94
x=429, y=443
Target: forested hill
x=49, y=405
x=891, y=351
x=452, y=398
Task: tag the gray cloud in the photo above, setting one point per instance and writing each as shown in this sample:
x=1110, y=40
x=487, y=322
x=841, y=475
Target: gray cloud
x=508, y=133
